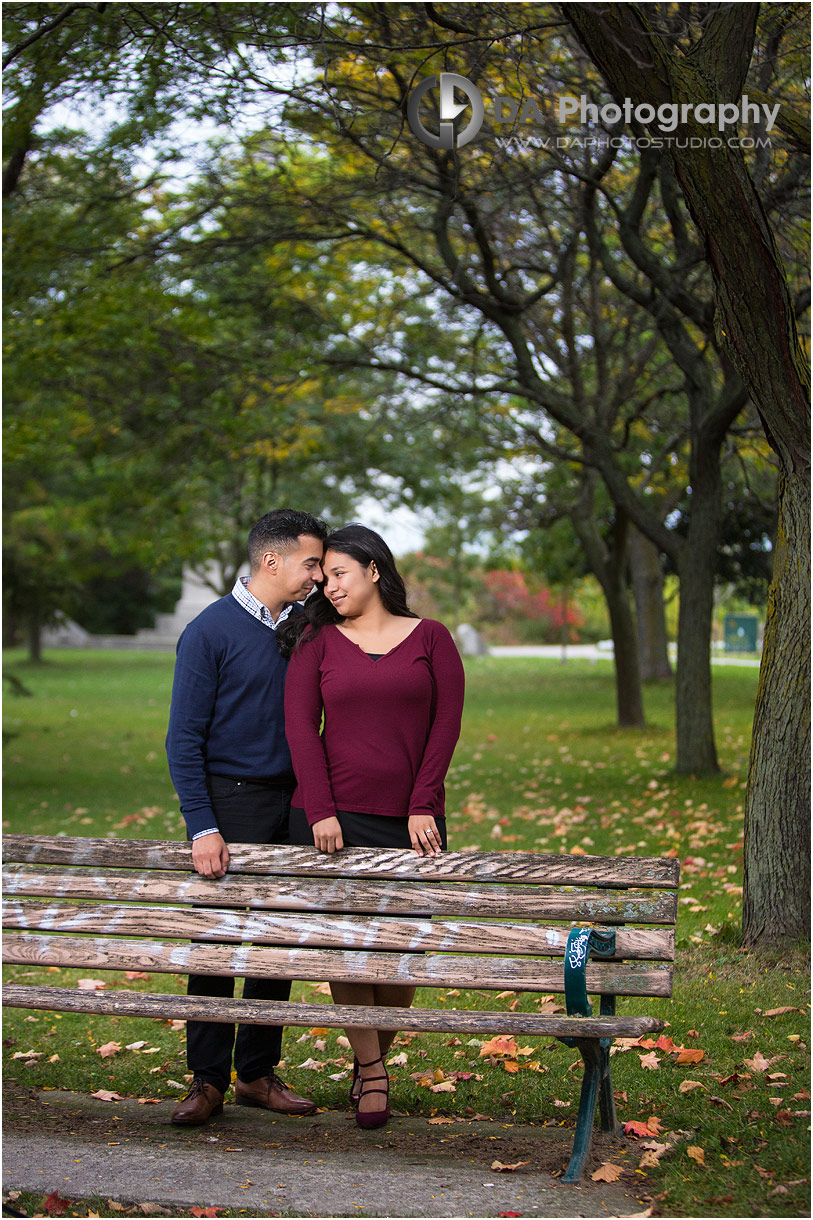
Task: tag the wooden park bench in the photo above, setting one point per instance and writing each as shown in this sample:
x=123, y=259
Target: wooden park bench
x=484, y=920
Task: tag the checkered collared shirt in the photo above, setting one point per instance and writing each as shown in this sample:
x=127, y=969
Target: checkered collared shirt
x=242, y=594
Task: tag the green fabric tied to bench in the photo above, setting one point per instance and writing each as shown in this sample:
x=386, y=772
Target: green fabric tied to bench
x=579, y=944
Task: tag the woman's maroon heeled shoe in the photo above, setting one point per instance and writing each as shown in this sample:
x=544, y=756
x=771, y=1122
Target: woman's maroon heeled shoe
x=373, y=1118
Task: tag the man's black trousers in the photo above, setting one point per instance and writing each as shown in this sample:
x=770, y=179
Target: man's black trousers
x=246, y=813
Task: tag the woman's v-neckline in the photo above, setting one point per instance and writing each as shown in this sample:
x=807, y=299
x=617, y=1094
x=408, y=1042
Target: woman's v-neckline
x=374, y=659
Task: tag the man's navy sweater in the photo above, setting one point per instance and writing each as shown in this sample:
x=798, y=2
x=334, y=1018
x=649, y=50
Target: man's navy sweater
x=226, y=716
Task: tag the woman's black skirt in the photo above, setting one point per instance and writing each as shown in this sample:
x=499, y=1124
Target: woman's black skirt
x=360, y=830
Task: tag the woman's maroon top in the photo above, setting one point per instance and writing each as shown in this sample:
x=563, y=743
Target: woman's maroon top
x=390, y=725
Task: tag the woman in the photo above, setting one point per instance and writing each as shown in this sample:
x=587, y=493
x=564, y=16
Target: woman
x=390, y=687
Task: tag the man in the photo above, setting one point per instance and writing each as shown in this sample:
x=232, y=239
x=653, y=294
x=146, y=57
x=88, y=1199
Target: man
x=230, y=764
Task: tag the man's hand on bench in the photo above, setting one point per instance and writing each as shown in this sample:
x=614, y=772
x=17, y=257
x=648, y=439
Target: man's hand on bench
x=210, y=855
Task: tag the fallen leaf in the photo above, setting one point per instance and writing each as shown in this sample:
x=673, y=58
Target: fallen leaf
x=446, y=1086
x=205, y=1211
x=607, y=1173
x=109, y=1050
x=637, y=1130
x=652, y=1155
x=55, y=1204
x=398, y=1060
x=686, y=1086
x=501, y=1045
x=312, y=1065
x=734, y=1078
x=759, y=1063
x=32, y=1054
x=499, y=1167
x=91, y=984
x=135, y=974
x=134, y=1046
x=107, y=1095
x=696, y=1153
x=650, y=1061
x=440, y=1119
x=510, y=1065
x=689, y=1055
x=779, y=1012
x=719, y=1101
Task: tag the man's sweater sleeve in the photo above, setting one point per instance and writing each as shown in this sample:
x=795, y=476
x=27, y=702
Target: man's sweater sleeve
x=194, y=690
x=448, y=674
x=303, y=721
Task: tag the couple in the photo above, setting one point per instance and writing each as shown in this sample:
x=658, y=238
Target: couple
x=249, y=764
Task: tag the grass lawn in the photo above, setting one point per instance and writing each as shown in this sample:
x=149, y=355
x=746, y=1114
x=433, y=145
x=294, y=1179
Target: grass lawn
x=540, y=766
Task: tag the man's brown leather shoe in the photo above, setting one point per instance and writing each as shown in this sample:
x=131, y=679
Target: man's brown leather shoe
x=269, y=1093
x=201, y=1102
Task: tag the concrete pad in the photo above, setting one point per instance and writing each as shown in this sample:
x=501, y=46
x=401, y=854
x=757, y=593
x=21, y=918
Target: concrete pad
x=322, y=1165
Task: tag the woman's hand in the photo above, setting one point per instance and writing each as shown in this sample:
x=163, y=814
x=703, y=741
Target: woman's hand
x=327, y=835
x=424, y=834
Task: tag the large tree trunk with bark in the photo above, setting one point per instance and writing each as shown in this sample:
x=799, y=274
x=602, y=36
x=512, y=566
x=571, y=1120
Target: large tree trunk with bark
x=758, y=328
x=777, y=859
x=646, y=577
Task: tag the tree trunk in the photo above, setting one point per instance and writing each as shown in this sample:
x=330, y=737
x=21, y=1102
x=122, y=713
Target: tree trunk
x=609, y=565
x=646, y=577
x=629, y=699
x=696, y=751
x=34, y=631
x=776, y=903
x=758, y=328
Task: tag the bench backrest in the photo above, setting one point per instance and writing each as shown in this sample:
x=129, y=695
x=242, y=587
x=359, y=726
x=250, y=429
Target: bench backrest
x=490, y=920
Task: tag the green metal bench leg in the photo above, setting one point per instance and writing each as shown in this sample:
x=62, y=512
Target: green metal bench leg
x=592, y=1057
x=606, y=1100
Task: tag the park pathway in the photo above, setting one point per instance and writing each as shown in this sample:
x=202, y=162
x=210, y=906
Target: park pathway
x=320, y=1166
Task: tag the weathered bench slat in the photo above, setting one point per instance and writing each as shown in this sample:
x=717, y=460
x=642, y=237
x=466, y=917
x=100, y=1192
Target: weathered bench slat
x=490, y=973
x=514, y=867
x=263, y=1012
x=340, y=894
x=327, y=931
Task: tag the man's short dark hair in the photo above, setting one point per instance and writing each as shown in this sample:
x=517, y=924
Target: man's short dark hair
x=279, y=530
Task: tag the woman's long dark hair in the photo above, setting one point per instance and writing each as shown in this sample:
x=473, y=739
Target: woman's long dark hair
x=366, y=547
